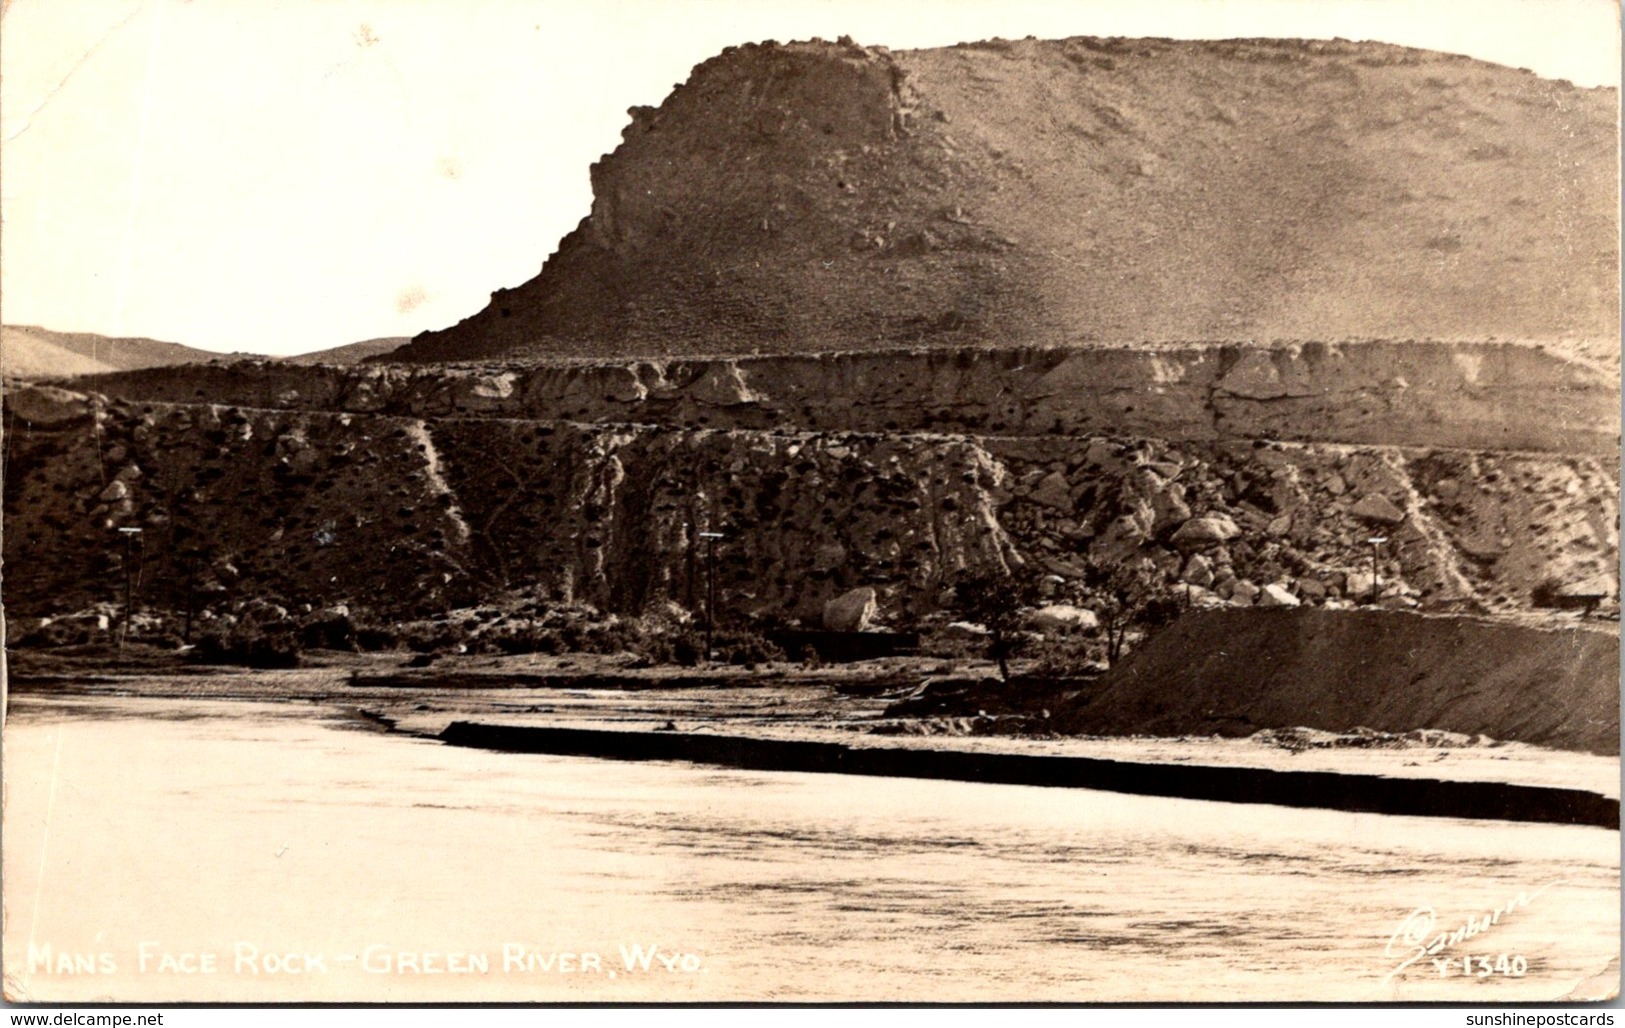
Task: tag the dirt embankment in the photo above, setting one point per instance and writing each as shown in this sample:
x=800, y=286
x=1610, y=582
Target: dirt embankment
x=819, y=196
x=1234, y=673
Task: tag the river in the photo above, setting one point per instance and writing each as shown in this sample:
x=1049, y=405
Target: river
x=162, y=850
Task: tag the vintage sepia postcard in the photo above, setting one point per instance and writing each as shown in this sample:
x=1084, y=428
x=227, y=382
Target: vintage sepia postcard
x=535, y=502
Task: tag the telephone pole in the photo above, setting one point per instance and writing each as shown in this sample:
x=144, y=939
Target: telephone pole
x=1376, y=541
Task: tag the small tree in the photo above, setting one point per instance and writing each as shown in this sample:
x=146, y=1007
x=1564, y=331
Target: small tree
x=1126, y=594
x=994, y=601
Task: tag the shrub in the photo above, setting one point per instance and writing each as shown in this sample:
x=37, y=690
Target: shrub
x=59, y=633
x=687, y=650
x=329, y=632
x=428, y=636
x=1064, y=657
x=527, y=638
x=994, y=600
x=250, y=644
x=744, y=647
x=375, y=639
x=1546, y=591
x=951, y=646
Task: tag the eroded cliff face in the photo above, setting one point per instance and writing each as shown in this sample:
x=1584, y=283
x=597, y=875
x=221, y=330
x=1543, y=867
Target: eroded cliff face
x=820, y=196
x=1400, y=394
x=399, y=514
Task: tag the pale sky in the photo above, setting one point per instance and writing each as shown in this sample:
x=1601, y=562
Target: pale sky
x=281, y=176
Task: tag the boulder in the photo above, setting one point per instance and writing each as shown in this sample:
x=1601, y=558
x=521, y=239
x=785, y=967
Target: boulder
x=1167, y=500
x=1311, y=589
x=1377, y=508
x=850, y=612
x=46, y=405
x=1053, y=491
x=723, y=385
x=1062, y=617
x=1196, y=596
x=622, y=385
x=1243, y=593
x=1099, y=453
x=1264, y=374
x=1198, y=571
x=482, y=392
x=1274, y=595
x=116, y=490
x=1205, y=531
x=1358, y=586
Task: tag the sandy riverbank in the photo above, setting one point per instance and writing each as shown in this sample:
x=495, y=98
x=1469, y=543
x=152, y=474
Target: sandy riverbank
x=842, y=704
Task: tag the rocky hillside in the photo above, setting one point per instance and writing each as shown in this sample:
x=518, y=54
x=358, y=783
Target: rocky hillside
x=817, y=196
x=398, y=514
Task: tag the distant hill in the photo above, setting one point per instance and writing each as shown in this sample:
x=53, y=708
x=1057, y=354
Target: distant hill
x=26, y=355
x=817, y=196
x=27, y=351
x=350, y=353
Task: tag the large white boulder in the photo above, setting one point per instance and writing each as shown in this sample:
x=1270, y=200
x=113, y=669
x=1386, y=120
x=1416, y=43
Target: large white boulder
x=1274, y=595
x=1062, y=617
x=851, y=611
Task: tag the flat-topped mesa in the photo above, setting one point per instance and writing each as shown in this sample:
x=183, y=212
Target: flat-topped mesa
x=821, y=196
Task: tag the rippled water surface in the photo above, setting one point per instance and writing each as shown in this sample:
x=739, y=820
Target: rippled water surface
x=279, y=838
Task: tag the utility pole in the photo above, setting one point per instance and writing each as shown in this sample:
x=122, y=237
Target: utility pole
x=710, y=588
x=1375, y=541
x=129, y=535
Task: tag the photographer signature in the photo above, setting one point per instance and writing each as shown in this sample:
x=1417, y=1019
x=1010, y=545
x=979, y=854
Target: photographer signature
x=1416, y=939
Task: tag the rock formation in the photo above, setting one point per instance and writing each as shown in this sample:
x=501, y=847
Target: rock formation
x=400, y=513
x=1040, y=223
x=817, y=196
